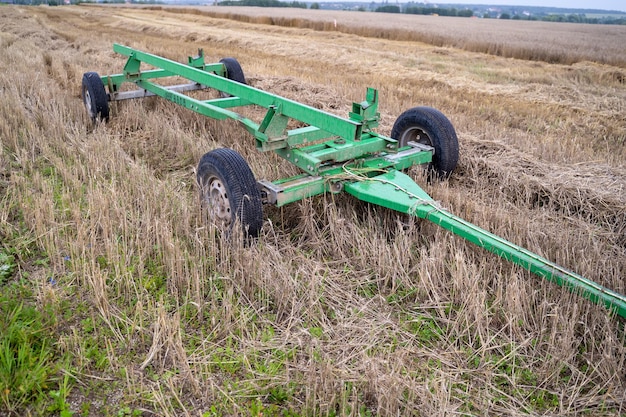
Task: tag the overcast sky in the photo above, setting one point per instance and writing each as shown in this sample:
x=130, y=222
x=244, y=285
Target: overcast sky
x=570, y=4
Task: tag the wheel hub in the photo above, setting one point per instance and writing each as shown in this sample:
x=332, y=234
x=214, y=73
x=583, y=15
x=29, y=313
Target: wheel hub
x=88, y=104
x=218, y=202
x=415, y=134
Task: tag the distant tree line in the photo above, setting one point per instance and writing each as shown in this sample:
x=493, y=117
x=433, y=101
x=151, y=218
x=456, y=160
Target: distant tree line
x=581, y=18
x=411, y=9
x=439, y=11
x=263, y=3
x=568, y=18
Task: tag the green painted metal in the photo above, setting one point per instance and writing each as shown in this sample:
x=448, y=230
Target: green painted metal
x=336, y=154
x=347, y=138
x=335, y=125
x=310, y=158
x=332, y=178
x=399, y=192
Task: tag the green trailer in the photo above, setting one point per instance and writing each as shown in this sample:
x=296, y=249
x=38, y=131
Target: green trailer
x=334, y=154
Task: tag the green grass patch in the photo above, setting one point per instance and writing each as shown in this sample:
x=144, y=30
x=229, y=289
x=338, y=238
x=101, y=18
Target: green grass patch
x=28, y=365
x=7, y=266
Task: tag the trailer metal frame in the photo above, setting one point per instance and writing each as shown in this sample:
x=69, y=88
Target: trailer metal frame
x=335, y=154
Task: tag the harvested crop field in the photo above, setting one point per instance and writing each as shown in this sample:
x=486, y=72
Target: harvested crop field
x=141, y=307
x=531, y=40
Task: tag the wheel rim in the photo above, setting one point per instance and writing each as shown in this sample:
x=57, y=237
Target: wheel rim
x=217, y=201
x=414, y=134
x=88, y=105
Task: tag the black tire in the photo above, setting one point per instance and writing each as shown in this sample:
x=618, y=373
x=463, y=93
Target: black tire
x=95, y=97
x=233, y=72
x=229, y=191
x=430, y=127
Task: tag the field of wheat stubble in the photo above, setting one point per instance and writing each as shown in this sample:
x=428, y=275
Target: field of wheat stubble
x=339, y=308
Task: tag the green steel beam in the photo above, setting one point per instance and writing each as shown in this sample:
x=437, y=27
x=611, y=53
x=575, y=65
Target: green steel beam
x=399, y=192
x=117, y=79
x=300, y=158
x=332, y=177
x=351, y=137
x=340, y=151
x=228, y=102
x=290, y=190
x=310, y=158
x=345, y=128
x=199, y=106
x=530, y=261
x=306, y=135
x=114, y=81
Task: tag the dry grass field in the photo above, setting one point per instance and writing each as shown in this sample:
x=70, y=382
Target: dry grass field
x=127, y=302
x=539, y=41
